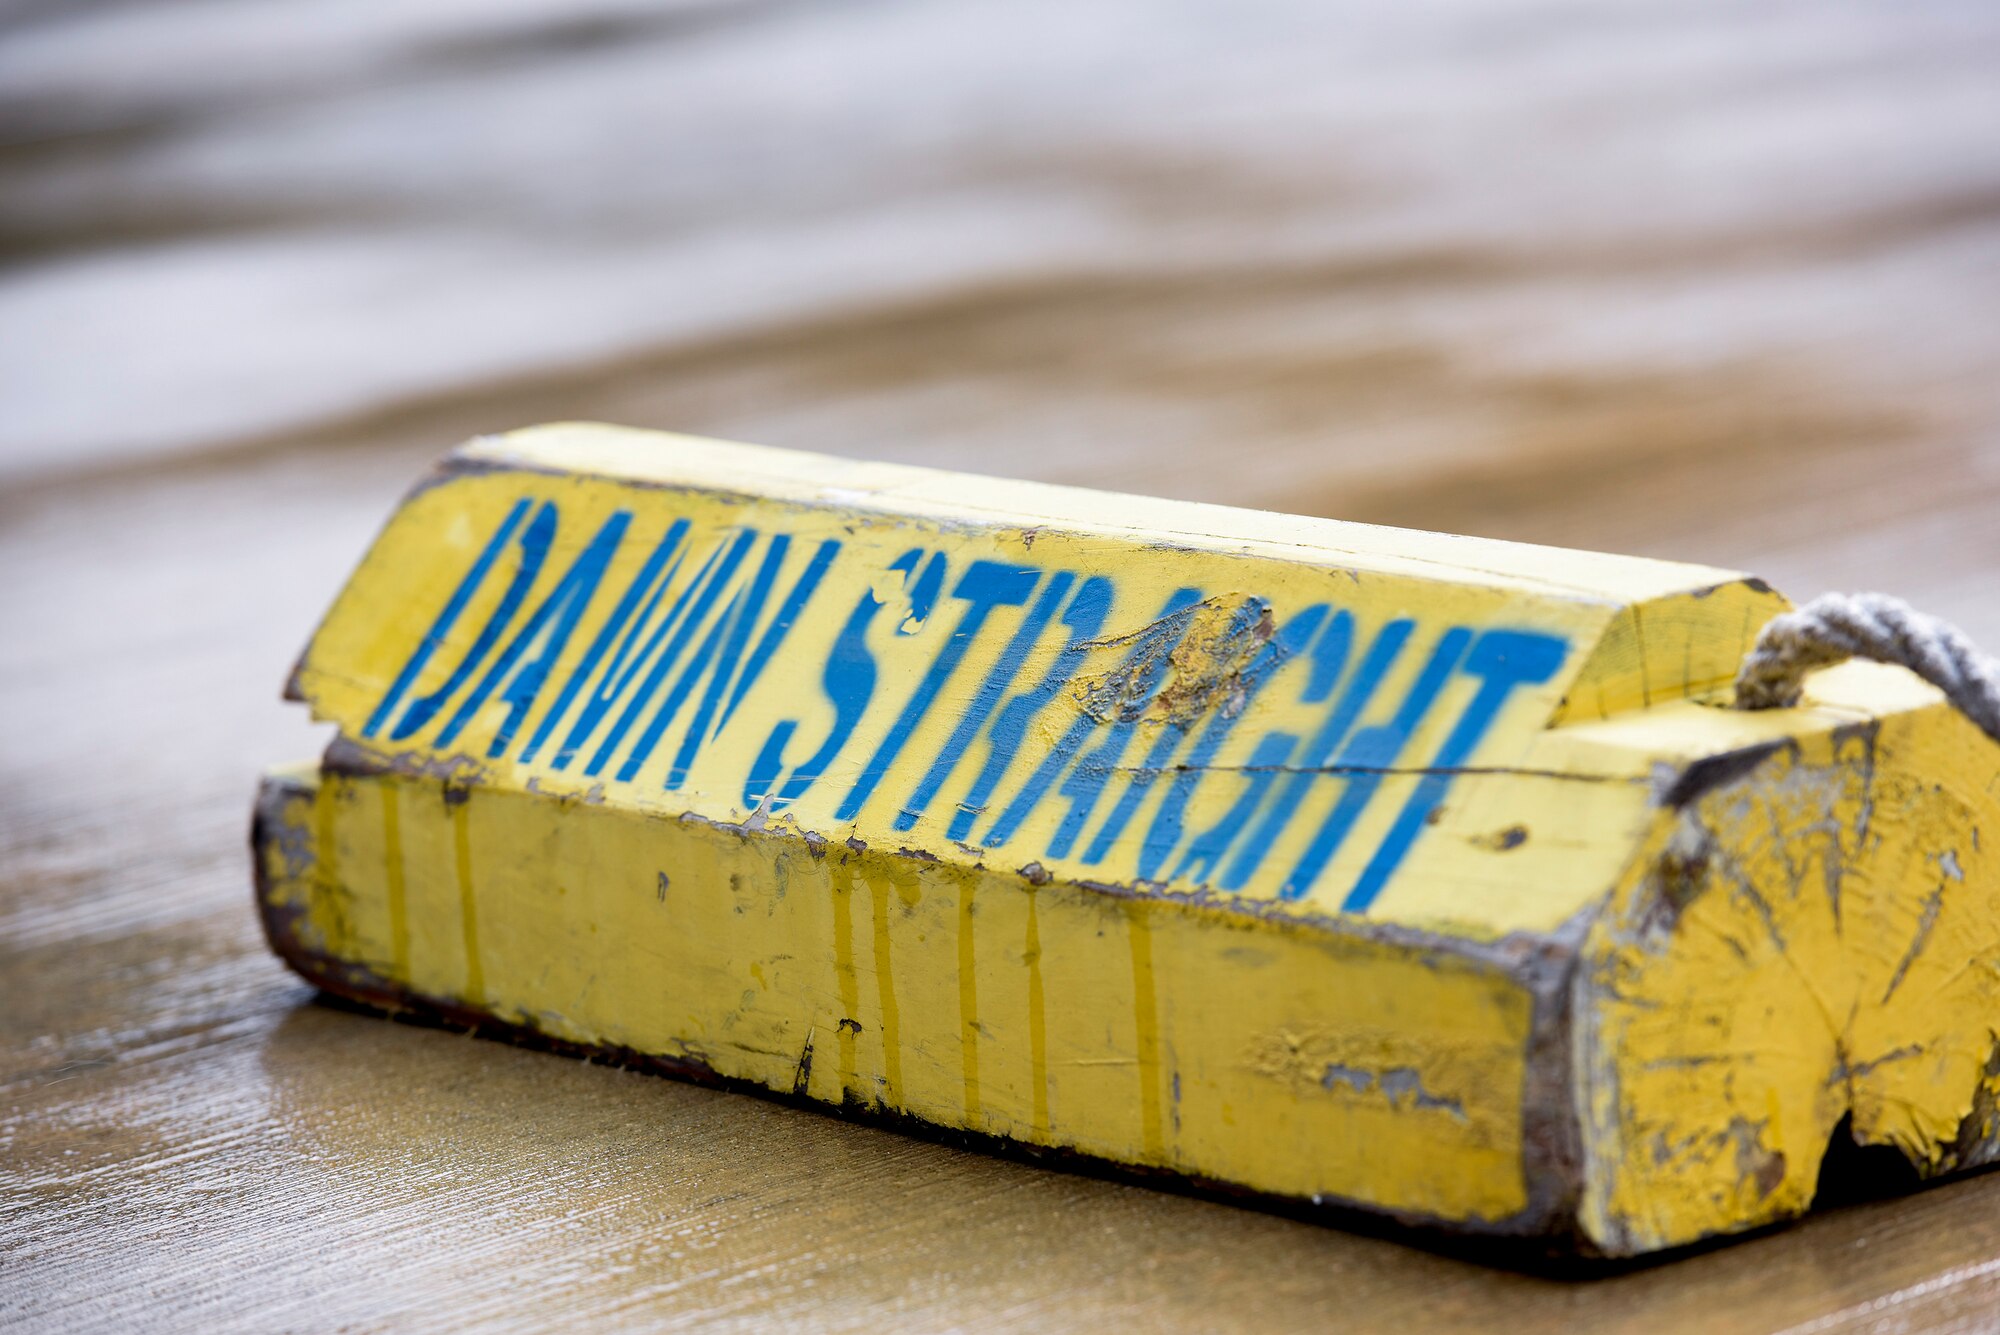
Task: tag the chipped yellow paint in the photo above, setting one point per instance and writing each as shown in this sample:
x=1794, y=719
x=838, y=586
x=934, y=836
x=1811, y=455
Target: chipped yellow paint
x=392, y=881
x=1038, y=1034
x=968, y=1002
x=611, y=964
x=1337, y=864
x=1812, y=941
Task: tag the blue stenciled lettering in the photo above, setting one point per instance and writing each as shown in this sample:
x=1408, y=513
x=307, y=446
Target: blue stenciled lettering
x=447, y=618
x=848, y=679
x=670, y=646
x=1367, y=754
x=629, y=617
x=1320, y=751
x=534, y=542
x=1085, y=618
x=1128, y=689
x=549, y=628
x=690, y=611
x=1504, y=660
x=920, y=585
x=983, y=587
x=1164, y=835
x=1243, y=623
x=1273, y=753
x=730, y=629
x=701, y=729
x=1209, y=847
x=983, y=701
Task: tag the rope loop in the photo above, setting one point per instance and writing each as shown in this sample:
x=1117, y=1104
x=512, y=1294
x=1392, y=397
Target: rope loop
x=1838, y=626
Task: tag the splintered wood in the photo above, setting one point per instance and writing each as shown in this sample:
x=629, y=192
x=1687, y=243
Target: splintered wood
x=1337, y=865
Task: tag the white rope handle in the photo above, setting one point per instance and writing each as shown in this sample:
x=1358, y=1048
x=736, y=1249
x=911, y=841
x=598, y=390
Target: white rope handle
x=1839, y=626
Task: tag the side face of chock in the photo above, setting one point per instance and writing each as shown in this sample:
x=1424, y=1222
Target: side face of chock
x=1806, y=942
x=1333, y=864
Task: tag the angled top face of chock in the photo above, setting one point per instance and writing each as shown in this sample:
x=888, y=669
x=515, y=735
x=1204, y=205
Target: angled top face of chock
x=1323, y=862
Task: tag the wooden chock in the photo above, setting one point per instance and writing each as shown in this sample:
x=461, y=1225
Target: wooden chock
x=1334, y=865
